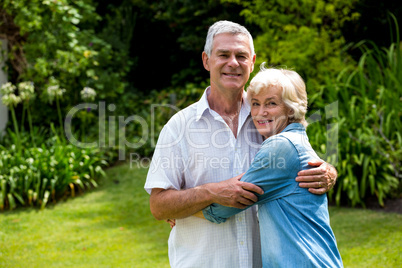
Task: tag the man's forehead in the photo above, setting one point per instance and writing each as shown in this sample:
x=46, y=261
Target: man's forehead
x=228, y=46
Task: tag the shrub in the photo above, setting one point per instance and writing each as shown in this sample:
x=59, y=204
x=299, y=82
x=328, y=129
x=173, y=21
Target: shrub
x=45, y=173
x=369, y=142
x=33, y=174
x=304, y=35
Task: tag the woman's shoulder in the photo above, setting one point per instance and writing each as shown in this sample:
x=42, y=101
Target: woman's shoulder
x=280, y=139
x=278, y=144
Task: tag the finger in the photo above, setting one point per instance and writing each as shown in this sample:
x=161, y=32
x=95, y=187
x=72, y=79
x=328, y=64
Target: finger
x=172, y=223
x=238, y=177
x=316, y=163
x=312, y=178
x=315, y=185
x=312, y=171
x=247, y=198
x=246, y=202
x=317, y=191
x=252, y=188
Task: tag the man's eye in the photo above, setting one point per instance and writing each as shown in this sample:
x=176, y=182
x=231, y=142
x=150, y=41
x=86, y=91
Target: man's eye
x=255, y=104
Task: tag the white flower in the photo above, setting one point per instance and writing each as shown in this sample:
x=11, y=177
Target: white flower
x=88, y=94
x=27, y=90
x=7, y=88
x=11, y=100
x=55, y=92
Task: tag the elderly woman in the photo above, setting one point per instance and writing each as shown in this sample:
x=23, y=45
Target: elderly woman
x=294, y=224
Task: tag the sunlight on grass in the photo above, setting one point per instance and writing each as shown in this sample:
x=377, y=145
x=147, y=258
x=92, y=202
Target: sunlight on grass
x=113, y=227
x=366, y=238
x=109, y=227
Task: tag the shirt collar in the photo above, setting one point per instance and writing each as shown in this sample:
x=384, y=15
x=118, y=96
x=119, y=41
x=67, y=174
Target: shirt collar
x=203, y=104
x=294, y=126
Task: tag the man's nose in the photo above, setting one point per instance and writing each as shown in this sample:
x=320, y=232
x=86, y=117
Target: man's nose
x=233, y=61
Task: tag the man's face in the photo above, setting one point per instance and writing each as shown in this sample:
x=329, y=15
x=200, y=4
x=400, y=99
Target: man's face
x=230, y=63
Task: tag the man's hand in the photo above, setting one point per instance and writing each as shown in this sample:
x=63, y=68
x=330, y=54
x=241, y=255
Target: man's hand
x=319, y=180
x=178, y=204
x=234, y=193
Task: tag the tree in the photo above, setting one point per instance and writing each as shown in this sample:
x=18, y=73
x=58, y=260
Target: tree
x=304, y=35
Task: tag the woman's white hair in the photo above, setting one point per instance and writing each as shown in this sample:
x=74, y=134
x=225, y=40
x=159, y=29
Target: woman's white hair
x=225, y=26
x=294, y=93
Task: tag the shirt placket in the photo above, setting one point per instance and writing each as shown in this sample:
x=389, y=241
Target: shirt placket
x=240, y=218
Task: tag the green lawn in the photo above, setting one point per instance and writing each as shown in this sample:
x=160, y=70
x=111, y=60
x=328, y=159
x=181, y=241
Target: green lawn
x=112, y=227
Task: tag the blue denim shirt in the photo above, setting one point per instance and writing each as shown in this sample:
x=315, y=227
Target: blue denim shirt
x=294, y=224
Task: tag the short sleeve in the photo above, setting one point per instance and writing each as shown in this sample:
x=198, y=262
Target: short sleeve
x=162, y=172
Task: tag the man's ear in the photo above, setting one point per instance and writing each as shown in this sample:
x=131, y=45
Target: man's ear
x=252, y=66
x=205, y=60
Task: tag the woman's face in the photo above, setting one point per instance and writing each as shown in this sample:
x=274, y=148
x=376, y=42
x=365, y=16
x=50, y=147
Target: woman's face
x=269, y=112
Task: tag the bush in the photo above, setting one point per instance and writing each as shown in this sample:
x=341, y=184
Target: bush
x=49, y=172
x=369, y=143
x=303, y=35
x=39, y=165
x=155, y=109
x=54, y=42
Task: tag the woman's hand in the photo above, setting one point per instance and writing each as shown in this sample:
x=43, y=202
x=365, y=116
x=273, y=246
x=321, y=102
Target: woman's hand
x=172, y=222
x=318, y=180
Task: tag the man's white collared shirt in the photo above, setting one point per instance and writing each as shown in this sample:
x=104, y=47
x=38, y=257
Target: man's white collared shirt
x=196, y=147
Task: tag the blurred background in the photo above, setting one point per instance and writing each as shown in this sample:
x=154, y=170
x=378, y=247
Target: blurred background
x=132, y=54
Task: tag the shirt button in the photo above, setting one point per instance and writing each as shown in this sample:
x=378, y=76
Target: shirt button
x=241, y=243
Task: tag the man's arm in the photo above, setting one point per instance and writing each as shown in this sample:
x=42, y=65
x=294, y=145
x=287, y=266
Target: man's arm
x=178, y=204
x=319, y=180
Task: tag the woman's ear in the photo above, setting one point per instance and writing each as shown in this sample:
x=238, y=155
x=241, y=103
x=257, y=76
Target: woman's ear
x=205, y=59
x=291, y=112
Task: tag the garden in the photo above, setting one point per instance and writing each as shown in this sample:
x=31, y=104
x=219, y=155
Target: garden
x=88, y=85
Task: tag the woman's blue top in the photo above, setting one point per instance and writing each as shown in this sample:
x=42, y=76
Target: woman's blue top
x=294, y=224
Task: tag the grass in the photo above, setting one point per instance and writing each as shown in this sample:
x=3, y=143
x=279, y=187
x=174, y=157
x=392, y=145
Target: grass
x=108, y=227
x=367, y=238
x=112, y=227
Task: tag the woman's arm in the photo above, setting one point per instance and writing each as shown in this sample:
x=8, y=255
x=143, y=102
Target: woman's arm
x=274, y=169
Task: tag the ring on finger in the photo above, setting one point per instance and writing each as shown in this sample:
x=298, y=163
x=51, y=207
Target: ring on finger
x=319, y=184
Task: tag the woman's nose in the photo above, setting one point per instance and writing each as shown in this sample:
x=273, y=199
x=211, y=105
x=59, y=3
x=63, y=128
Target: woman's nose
x=263, y=111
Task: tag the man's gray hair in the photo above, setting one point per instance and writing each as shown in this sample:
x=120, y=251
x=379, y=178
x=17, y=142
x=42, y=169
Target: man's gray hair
x=225, y=26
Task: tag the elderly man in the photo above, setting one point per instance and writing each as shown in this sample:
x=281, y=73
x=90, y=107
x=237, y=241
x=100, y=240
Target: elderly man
x=201, y=155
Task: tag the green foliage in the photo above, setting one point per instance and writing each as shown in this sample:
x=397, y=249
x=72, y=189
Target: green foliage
x=155, y=109
x=59, y=44
x=369, y=142
x=303, y=35
x=188, y=23
x=46, y=173
x=32, y=175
